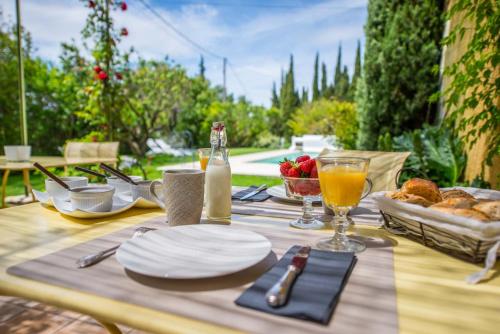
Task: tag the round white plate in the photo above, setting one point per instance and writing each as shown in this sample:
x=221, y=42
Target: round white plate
x=193, y=251
x=280, y=193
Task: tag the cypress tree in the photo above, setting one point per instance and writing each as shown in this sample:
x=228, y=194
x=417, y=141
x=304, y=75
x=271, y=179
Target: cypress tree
x=402, y=48
x=324, y=81
x=357, y=72
x=305, y=96
x=338, y=67
x=315, y=84
x=289, y=99
x=275, y=100
x=201, y=67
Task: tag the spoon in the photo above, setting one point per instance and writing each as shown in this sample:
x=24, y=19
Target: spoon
x=52, y=176
x=117, y=173
x=88, y=260
x=88, y=171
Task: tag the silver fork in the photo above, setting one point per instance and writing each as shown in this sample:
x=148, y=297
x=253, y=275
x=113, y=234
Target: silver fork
x=88, y=260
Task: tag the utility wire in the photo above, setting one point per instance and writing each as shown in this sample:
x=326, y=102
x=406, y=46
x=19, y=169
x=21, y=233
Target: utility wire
x=193, y=43
x=237, y=77
x=178, y=32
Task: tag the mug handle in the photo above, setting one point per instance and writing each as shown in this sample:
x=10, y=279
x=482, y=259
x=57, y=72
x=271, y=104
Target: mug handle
x=154, y=195
x=370, y=187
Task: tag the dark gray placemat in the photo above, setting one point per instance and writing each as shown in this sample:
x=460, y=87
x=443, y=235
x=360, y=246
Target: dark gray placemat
x=367, y=305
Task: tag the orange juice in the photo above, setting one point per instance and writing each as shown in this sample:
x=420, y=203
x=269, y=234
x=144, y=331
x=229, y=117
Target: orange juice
x=204, y=162
x=341, y=186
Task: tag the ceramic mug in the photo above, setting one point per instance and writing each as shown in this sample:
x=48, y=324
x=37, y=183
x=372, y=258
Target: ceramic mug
x=56, y=191
x=183, y=192
x=142, y=189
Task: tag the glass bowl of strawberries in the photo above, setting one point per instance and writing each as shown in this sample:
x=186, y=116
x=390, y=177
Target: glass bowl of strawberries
x=300, y=178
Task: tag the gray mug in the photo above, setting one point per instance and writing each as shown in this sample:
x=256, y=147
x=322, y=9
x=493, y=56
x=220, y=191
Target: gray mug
x=183, y=192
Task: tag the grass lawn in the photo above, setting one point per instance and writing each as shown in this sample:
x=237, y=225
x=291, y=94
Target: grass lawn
x=15, y=183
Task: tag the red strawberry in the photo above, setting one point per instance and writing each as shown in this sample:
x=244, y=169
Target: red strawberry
x=306, y=166
x=293, y=172
x=123, y=6
x=124, y=32
x=284, y=167
x=302, y=158
x=97, y=69
x=314, y=172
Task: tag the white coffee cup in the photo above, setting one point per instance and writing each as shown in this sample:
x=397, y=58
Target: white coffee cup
x=120, y=185
x=93, y=198
x=56, y=191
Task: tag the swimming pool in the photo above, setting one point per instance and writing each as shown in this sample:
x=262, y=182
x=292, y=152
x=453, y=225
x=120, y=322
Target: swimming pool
x=289, y=156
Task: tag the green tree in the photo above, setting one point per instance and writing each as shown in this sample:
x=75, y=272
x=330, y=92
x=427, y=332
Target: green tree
x=315, y=84
x=201, y=67
x=289, y=98
x=324, y=81
x=304, y=98
x=275, y=100
x=402, y=50
x=357, y=72
x=327, y=117
x=338, y=69
x=157, y=92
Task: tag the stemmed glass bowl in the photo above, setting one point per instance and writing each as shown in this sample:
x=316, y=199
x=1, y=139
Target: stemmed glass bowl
x=342, y=181
x=307, y=190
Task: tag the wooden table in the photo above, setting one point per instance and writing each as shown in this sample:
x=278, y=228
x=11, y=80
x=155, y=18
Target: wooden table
x=432, y=296
x=46, y=161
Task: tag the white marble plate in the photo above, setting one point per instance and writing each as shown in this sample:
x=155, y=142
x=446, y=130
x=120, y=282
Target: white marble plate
x=65, y=207
x=280, y=193
x=193, y=251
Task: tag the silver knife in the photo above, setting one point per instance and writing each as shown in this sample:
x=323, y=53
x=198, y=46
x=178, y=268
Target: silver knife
x=278, y=294
x=255, y=192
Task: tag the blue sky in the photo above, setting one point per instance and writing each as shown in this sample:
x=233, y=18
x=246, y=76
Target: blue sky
x=257, y=36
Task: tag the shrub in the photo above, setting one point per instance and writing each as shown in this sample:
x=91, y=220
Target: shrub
x=325, y=117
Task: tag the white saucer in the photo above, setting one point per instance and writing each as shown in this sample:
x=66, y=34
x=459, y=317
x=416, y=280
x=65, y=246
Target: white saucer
x=193, y=251
x=65, y=207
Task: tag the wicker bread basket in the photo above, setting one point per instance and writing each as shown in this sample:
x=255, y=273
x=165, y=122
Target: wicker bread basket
x=460, y=237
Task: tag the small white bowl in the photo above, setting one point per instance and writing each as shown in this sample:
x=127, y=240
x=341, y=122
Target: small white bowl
x=92, y=198
x=55, y=190
x=142, y=190
x=120, y=185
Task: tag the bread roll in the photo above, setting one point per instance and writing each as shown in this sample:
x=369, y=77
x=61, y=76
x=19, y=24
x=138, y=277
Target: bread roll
x=457, y=203
x=455, y=193
x=467, y=213
x=409, y=198
x=423, y=188
x=490, y=208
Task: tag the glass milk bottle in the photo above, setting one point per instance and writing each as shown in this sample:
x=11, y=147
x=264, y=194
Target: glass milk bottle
x=218, y=176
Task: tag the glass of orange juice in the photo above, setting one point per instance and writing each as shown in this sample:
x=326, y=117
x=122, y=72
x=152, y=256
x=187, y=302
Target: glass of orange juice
x=342, y=181
x=204, y=156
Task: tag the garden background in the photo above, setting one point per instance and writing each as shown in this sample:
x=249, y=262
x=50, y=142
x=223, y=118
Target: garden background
x=411, y=89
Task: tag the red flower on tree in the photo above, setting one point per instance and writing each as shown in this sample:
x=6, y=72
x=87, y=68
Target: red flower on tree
x=118, y=76
x=97, y=69
x=103, y=76
x=91, y=4
x=124, y=32
x=123, y=6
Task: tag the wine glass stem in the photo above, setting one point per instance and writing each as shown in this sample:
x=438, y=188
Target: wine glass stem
x=340, y=223
x=307, y=209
